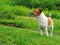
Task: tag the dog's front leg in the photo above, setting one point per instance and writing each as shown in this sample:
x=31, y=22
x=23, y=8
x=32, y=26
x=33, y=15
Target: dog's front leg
x=41, y=31
x=46, y=29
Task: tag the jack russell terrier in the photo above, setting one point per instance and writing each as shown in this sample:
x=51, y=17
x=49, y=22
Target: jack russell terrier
x=44, y=22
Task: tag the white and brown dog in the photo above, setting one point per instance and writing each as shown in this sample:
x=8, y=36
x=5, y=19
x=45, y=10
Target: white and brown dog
x=44, y=22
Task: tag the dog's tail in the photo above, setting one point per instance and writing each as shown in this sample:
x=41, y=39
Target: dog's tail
x=50, y=15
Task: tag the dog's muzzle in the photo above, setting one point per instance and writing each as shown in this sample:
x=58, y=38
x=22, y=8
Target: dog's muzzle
x=31, y=14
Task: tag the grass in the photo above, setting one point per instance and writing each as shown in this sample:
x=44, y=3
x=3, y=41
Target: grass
x=55, y=13
x=10, y=12
x=22, y=23
x=17, y=10
x=27, y=22
x=22, y=36
x=27, y=33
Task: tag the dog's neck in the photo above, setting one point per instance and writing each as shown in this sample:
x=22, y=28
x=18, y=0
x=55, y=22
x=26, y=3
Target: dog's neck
x=42, y=16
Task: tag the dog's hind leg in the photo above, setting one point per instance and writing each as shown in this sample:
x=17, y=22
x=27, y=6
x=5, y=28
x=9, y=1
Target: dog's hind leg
x=51, y=30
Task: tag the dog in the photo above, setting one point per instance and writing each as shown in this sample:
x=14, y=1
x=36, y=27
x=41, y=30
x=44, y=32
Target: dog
x=43, y=21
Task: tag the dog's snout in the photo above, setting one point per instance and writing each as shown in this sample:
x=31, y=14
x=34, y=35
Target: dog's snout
x=31, y=13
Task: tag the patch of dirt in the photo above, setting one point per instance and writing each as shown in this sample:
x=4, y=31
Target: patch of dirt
x=13, y=25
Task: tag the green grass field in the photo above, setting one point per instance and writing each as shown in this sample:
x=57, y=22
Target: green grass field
x=26, y=32
x=23, y=36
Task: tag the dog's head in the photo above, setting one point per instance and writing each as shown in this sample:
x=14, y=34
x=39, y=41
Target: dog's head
x=36, y=12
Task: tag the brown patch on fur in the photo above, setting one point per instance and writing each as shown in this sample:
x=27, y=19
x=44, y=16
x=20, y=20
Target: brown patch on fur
x=49, y=21
x=37, y=12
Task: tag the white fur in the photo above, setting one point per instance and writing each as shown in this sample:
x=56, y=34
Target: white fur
x=43, y=22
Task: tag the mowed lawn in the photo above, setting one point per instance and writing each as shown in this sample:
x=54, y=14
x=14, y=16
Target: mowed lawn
x=26, y=32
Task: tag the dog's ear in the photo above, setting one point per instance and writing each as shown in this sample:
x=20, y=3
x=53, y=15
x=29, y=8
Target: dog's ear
x=40, y=9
